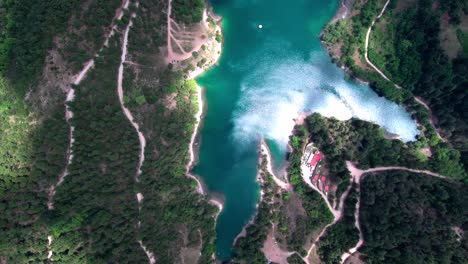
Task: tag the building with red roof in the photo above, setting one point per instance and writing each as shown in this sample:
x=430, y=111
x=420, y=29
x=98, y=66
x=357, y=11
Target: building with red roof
x=315, y=159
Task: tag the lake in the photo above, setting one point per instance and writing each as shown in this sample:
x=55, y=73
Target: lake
x=266, y=76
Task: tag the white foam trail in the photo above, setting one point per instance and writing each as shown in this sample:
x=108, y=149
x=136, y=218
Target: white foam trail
x=280, y=86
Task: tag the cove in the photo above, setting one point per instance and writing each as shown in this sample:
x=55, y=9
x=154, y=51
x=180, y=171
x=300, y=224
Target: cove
x=267, y=76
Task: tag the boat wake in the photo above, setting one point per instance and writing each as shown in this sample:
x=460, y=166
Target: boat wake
x=284, y=85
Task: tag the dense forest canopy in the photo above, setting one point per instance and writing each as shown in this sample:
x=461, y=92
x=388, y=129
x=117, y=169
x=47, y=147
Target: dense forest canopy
x=188, y=11
x=406, y=45
x=390, y=203
x=26, y=33
x=96, y=217
x=365, y=143
x=411, y=218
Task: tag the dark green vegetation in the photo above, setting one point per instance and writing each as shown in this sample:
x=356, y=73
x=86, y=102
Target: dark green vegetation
x=91, y=29
x=96, y=203
x=28, y=28
x=317, y=214
x=31, y=157
x=188, y=11
x=418, y=216
x=247, y=249
x=295, y=259
x=405, y=45
x=413, y=58
x=364, y=142
x=173, y=216
x=293, y=216
x=361, y=142
x=96, y=213
x=341, y=236
x=463, y=38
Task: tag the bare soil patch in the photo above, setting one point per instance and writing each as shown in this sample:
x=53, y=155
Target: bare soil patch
x=272, y=250
x=170, y=101
x=402, y=5
x=448, y=37
x=354, y=259
x=359, y=62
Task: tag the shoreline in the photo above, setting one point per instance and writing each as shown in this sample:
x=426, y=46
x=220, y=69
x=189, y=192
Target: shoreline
x=342, y=12
x=194, y=144
x=194, y=156
x=285, y=186
x=264, y=150
x=260, y=181
x=218, y=47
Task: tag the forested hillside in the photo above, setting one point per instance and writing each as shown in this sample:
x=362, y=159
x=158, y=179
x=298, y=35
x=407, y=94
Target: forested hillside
x=68, y=153
x=420, y=216
x=420, y=45
x=289, y=218
x=365, y=144
x=385, y=215
x=391, y=203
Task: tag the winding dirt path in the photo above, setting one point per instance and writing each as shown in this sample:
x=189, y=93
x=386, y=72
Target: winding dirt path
x=305, y=177
x=171, y=55
x=357, y=173
x=71, y=96
x=357, y=224
x=195, y=36
x=338, y=214
x=118, y=16
x=367, y=43
x=431, y=117
x=417, y=99
x=49, y=251
x=71, y=129
x=149, y=254
x=356, y=176
x=126, y=111
x=141, y=138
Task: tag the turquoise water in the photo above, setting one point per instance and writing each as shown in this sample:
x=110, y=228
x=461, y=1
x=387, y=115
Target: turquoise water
x=265, y=77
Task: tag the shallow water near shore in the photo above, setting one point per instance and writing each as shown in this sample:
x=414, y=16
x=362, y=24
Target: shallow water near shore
x=265, y=78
